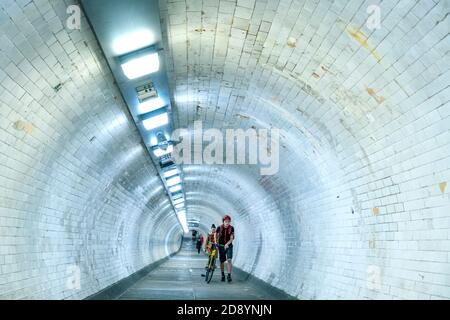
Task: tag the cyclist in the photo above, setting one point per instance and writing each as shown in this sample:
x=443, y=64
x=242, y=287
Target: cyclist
x=225, y=237
x=210, y=242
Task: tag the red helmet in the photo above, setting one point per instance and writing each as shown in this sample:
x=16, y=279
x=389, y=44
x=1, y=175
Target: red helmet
x=225, y=217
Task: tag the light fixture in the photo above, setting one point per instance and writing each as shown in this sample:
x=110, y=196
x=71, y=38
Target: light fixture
x=177, y=201
x=162, y=140
x=170, y=172
x=133, y=41
x=138, y=65
x=175, y=188
x=173, y=181
x=155, y=121
x=151, y=105
x=181, y=215
x=167, y=164
x=179, y=206
x=160, y=152
x=177, y=195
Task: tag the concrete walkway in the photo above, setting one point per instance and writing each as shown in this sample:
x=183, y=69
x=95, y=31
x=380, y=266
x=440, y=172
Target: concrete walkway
x=180, y=278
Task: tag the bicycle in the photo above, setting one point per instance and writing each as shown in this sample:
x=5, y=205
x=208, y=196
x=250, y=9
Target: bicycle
x=211, y=266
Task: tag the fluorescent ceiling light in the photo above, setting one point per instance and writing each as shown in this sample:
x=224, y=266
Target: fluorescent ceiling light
x=175, y=188
x=141, y=66
x=180, y=200
x=156, y=121
x=173, y=181
x=177, y=195
x=170, y=172
x=150, y=105
x=133, y=41
x=181, y=215
x=179, y=206
x=160, y=152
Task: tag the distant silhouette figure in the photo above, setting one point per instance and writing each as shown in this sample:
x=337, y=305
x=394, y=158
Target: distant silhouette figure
x=199, y=242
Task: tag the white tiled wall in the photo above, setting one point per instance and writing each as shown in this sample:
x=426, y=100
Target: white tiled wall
x=360, y=207
x=77, y=189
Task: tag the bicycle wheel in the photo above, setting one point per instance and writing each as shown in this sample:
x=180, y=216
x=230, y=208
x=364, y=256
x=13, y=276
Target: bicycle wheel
x=210, y=271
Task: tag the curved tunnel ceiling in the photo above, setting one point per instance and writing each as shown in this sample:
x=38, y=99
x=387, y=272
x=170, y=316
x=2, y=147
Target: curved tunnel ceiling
x=364, y=147
x=347, y=102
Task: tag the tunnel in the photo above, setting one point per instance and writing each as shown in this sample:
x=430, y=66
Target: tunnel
x=356, y=203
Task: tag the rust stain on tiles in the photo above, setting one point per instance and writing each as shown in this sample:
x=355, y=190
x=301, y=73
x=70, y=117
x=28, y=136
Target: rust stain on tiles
x=291, y=42
x=29, y=127
x=442, y=186
x=362, y=39
x=371, y=92
x=376, y=211
x=18, y=125
x=23, y=126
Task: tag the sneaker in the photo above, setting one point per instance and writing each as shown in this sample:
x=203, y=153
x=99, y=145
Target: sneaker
x=223, y=278
x=229, y=278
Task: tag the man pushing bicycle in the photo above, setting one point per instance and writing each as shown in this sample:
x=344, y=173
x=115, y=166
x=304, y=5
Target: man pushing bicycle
x=225, y=237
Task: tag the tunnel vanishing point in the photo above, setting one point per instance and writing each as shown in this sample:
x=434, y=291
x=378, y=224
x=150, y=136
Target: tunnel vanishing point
x=91, y=196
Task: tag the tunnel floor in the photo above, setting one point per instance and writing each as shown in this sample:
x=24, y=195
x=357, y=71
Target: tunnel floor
x=179, y=278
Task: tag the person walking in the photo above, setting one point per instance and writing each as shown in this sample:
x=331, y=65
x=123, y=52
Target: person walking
x=225, y=237
x=199, y=242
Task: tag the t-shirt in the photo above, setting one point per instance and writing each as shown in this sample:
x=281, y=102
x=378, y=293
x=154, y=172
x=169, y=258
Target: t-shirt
x=226, y=234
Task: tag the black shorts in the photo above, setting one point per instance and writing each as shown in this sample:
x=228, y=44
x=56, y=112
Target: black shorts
x=225, y=254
